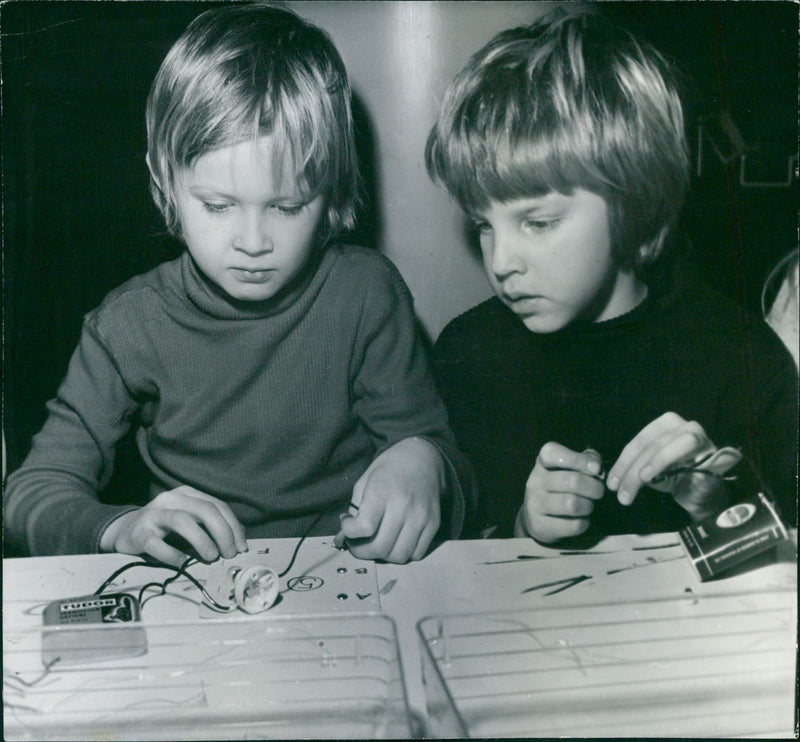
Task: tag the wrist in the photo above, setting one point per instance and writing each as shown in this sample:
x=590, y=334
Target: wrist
x=108, y=538
x=436, y=457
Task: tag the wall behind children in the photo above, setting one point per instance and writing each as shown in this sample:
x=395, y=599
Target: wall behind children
x=77, y=215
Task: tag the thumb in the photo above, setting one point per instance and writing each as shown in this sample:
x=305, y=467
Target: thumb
x=593, y=462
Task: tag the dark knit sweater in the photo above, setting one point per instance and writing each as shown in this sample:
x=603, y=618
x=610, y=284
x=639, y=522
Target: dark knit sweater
x=685, y=349
x=275, y=407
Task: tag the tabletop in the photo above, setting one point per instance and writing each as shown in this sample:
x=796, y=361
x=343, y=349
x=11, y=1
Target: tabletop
x=482, y=638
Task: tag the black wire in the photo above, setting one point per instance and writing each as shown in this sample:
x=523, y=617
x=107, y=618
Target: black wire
x=308, y=531
x=731, y=476
x=181, y=571
x=163, y=585
x=130, y=565
x=689, y=470
x=148, y=586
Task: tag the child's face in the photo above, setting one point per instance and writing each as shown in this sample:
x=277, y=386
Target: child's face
x=248, y=232
x=549, y=260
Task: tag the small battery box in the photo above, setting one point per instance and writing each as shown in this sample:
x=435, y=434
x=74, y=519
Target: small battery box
x=105, y=627
x=738, y=533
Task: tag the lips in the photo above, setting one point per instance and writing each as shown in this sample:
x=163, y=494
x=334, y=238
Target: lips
x=514, y=297
x=253, y=275
x=523, y=304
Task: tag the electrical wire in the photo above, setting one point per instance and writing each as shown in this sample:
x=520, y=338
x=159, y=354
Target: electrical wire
x=181, y=570
x=308, y=532
x=131, y=565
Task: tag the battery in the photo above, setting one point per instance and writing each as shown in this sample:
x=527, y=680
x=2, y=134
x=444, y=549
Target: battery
x=91, y=628
x=742, y=531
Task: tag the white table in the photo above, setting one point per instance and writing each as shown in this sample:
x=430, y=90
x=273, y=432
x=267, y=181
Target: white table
x=622, y=585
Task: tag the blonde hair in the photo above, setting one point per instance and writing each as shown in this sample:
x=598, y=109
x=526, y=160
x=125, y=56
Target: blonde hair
x=245, y=71
x=570, y=101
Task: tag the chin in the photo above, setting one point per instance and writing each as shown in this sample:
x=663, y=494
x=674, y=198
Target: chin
x=250, y=293
x=544, y=324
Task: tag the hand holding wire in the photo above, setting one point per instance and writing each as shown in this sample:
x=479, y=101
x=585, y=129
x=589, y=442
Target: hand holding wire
x=397, y=504
x=206, y=523
x=674, y=455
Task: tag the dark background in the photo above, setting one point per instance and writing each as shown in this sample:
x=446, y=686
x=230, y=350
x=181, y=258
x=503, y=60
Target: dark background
x=77, y=214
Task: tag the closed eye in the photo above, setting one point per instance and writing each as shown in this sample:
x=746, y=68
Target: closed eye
x=215, y=208
x=289, y=209
x=541, y=225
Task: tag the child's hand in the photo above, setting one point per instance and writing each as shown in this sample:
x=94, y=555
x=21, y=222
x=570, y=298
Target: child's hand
x=560, y=493
x=206, y=523
x=398, y=504
x=666, y=442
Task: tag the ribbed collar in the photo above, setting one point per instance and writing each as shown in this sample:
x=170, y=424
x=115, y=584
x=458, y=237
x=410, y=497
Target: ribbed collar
x=208, y=298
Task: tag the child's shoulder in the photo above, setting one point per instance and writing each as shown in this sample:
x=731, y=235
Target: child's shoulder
x=365, y=266
x=140, y=290
x=361, y=258
x=706, y=305
x=709, y=316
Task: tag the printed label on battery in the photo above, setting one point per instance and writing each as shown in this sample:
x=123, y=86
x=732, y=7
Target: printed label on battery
x=87, y=604
x=734, y=535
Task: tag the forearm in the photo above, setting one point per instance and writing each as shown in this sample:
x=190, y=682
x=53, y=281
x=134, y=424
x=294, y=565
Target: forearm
x=397, y=399
x=51, y=503
x=47, y=512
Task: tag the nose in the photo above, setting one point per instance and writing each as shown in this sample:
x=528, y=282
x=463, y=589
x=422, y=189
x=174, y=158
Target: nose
x=505, y=253
x=252, y=236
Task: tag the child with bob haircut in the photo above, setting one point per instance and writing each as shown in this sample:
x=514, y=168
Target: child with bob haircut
x=564, y=142
x=274, y=376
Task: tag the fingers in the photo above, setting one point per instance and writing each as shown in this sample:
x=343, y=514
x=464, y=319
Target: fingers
x=364, y=525
x=547, y=529
x=398, y=504
x=566, y=505
x=219, y=520
x=148, y=534
x=555, y=456
x=560, y=492
x=206, y=524
x=666, y=441
x=159, y=549
x=391, y=531
x=221, y=533
x=426, y=539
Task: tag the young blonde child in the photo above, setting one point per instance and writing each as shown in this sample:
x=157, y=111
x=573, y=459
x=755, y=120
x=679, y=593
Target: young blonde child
x=602, y=364
x=272, y=374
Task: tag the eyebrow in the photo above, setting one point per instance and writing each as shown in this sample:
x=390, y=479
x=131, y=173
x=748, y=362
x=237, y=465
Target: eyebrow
x=200, y=190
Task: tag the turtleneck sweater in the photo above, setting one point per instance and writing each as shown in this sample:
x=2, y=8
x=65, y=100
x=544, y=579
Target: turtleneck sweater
x=275, y=407
x=684, y=349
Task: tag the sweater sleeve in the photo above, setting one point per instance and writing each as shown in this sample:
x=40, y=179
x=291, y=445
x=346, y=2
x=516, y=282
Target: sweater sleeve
x=51, y=503
x=396, y=396
x=456, y=372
